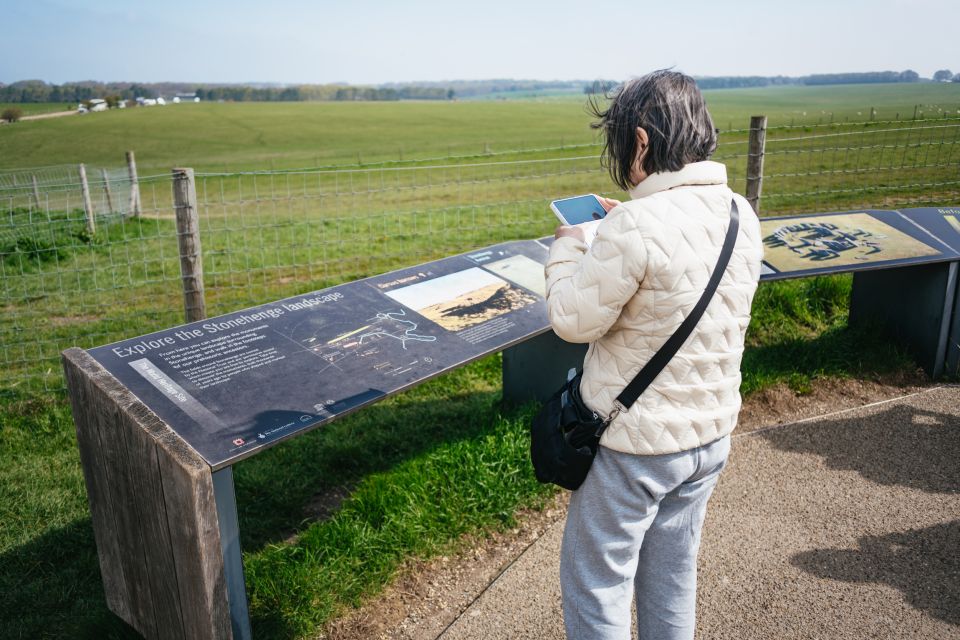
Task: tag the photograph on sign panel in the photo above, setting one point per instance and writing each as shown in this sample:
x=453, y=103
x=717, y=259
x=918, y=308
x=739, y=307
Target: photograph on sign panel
x=835, y=241
x=462, y=299
x=522, y=271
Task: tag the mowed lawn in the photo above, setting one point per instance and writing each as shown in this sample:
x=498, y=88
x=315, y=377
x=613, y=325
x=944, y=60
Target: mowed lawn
x=257, y=136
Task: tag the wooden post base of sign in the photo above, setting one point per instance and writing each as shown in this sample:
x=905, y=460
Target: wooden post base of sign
x=158, y=513
x=534, y=369
x=914, y=305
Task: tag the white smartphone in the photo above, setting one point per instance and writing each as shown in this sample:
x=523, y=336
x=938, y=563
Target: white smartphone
x=578, y=209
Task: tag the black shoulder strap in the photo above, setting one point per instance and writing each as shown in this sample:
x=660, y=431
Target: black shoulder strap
x=660, y=359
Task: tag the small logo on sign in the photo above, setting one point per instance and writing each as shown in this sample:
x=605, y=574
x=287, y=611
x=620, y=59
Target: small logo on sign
x=238, y=442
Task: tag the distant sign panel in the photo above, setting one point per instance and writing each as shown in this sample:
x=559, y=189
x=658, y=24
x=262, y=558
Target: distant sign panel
x=942, y=222
x=232, y=385
x=841, y=242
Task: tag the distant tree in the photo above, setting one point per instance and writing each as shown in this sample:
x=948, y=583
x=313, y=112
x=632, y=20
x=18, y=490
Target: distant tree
x=909, y=76
x=11, y=115
x=943, y=75
x=450, y=94
x=140, y=91
x=956, y=78
x=112, y=101
x=599, y=86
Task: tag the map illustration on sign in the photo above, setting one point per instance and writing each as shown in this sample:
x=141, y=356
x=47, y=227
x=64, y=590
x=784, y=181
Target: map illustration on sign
x=377, y=345
x=841, y=240
x=462, y=299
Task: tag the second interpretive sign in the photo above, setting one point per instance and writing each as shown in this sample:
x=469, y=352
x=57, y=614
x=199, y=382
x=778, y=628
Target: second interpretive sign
x=799, y=246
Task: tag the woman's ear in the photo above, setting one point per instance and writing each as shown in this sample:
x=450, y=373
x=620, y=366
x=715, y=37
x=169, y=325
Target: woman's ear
x=637, y=174
x=642, y=140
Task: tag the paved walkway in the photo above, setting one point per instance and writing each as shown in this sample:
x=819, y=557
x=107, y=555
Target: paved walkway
x=845, y=526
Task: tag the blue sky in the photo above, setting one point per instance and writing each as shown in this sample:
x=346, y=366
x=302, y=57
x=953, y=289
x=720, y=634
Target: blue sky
x=374, y=41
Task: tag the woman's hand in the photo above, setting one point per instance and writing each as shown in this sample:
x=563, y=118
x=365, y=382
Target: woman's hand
x=569, y=231
x=608, y=203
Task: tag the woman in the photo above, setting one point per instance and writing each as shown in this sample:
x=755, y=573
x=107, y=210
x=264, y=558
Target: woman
x=635, y=522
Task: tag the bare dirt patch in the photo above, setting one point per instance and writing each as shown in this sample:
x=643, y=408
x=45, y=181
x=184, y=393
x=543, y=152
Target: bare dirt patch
x=427, y=596
x=780, y=404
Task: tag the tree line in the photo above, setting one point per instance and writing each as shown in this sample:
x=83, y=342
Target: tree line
x=39, y=91
x=744, y=82
x=77, y=92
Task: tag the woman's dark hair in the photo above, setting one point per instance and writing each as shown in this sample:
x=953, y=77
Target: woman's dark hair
x=669, y=107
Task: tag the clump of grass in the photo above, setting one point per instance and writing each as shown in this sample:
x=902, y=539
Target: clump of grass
x=31, y=251
x=799, y=332
x=29, y=240
x=417, y=509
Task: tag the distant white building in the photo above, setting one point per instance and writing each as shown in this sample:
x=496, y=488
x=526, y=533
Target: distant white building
x=96, y=104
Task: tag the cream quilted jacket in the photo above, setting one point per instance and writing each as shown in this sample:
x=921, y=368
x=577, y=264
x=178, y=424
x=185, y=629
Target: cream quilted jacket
x=629, y=291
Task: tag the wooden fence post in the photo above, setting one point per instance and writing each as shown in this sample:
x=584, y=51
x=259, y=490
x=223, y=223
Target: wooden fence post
x=106, y=190
x=87, y=205
x=134, y=206
x=36, y=192
x=188, y=237
x=755, y=149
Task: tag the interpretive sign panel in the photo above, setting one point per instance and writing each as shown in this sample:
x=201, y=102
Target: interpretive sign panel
x=235, y=384
x=800, y=246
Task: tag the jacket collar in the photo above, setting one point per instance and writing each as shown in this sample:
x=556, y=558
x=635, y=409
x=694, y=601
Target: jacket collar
x=695, y=173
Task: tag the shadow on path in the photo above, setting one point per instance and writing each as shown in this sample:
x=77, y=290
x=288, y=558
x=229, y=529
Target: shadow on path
x=900, y=445
x=924, y=564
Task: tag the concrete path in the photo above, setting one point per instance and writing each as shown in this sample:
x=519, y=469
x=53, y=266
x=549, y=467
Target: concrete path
x=844, y=526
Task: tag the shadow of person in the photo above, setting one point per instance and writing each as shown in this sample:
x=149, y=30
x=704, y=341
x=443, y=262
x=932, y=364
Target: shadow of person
x=923, y=564
x=900, y=445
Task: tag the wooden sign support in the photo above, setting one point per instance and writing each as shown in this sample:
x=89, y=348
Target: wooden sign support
x=165, y=526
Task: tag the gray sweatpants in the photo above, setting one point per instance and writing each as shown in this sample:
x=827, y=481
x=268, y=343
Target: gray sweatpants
x=634, y=525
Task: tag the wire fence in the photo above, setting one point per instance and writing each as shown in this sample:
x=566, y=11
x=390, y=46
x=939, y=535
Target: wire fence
x=268, y=235
x=106, y=196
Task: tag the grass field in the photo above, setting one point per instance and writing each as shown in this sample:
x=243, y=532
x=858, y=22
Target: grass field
x=446, y=458
x=243, y=136
x=36, y=108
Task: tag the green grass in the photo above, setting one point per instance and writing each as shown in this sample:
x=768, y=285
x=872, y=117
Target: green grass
x=798, y=333
x=233, y=136
x=835, y=103
x=426, y=466
x=36, y=108
x=214, y=137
